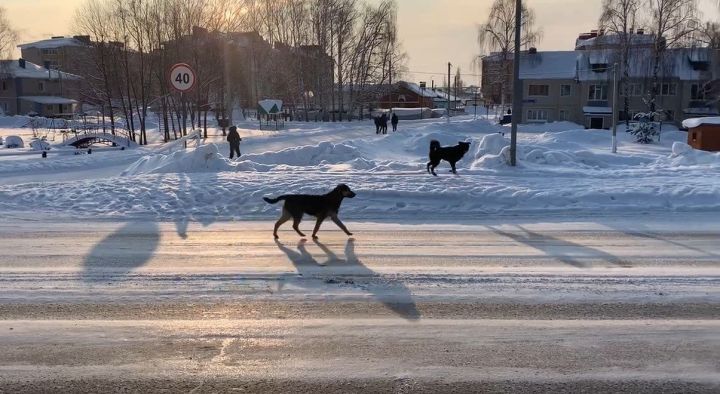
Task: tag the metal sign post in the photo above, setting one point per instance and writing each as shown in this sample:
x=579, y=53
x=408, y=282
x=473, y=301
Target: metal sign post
x=182, y=79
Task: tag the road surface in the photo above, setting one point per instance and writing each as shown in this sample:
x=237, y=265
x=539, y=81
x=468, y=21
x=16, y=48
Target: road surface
x=567, y=305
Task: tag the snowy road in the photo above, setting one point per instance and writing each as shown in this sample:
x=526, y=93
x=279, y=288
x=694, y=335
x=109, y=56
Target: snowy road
x=618, y=304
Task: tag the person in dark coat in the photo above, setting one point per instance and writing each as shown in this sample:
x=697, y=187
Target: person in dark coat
x=383, y=123
x=377, y=124
x=394, y=120
x=234, y=139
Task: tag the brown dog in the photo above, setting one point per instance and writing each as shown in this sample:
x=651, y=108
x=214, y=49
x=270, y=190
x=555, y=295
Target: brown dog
x=323, y=206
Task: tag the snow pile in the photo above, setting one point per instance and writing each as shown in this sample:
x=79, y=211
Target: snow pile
x=206, y=158
x=683, y=155
x=695, y=122
x=493, y=151
x=14, y=141
x=39, y=145
x=310, y=155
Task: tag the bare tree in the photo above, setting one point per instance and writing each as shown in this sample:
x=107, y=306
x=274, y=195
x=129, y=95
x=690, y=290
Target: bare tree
x=619, y=17
x=496, y=37
x=672, y=22
x=8, y=36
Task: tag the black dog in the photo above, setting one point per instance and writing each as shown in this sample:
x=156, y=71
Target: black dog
x=296, y=205
x=451, y=154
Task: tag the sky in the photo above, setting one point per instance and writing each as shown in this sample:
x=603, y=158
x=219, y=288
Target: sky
x=432, y=32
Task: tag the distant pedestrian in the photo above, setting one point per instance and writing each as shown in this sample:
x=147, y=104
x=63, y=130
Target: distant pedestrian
x=376, y=119
x=383, y=123
x=234, y=139
x=394, y=120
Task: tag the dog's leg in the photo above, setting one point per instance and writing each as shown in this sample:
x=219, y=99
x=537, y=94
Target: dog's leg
x=284, y=218
x=432, y=169
x=452, y=164
x=340, y=224
x=317, y=226
x=296, y=223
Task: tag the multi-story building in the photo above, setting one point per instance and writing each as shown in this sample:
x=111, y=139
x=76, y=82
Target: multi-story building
x=27, y=88
x=577, y=85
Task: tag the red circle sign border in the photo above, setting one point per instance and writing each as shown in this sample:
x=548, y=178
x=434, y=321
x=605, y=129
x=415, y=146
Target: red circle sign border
x=191, y=70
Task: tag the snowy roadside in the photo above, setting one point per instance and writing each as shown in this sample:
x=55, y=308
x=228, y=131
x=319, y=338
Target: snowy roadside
x=562, y=170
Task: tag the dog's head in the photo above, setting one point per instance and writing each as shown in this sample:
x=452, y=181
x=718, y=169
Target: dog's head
x=345, y=191
x=465, y=146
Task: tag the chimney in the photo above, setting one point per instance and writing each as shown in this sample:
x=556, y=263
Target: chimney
x=632, y=30
x=532, y=50
x=84, y=39
x=602, y=32
x=21, y=63
x=640, y=31
x=56, y=37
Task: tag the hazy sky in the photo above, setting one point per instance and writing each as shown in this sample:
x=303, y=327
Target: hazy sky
x=433, y=32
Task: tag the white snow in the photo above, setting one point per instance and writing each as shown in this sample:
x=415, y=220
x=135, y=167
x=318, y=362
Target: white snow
x=695, y=122
x=32, y=70
x=561, y=169
x=13, y=141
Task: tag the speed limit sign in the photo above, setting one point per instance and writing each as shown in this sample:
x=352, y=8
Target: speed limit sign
x=182, y=77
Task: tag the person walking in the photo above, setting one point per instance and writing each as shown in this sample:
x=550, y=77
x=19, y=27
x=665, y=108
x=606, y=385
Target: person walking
x=383, y=123
x=394, y=120
x=234, y=139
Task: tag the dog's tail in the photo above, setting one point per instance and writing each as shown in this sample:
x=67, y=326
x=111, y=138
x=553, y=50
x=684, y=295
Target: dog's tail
x=273, y=200
x=434, y=145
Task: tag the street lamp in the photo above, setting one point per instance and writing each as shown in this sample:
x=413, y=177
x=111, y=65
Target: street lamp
x=422, y=97
x=517, y=86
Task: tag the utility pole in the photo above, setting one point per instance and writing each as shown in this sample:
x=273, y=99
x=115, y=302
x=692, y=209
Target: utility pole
x=615, y=110
x=448, y=92
x=517, y=86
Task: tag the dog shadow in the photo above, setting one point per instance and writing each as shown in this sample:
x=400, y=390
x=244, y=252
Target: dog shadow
x=117, y=255
x=393, y=294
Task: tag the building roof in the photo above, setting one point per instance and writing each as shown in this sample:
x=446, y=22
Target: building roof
x=32, y=71
x=548, y=65
x=57, y=42
x=696, y=122
x=48, y=99
x=677, y=63
x=436, y=94
x=614, y=39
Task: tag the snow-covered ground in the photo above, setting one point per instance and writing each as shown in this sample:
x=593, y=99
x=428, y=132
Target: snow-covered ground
x=562, y=169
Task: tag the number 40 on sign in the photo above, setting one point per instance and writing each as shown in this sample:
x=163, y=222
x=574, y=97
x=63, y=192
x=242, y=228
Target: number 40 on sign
x=182, y=77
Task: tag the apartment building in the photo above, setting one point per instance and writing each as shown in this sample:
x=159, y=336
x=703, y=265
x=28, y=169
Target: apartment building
x=27, y=88
x=577, y=85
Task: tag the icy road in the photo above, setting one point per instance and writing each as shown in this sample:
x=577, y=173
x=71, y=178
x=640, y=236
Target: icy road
x=565, y=305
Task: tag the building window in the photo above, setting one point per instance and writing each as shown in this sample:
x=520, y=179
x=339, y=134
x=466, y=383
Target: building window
x=697, y=92
x=4, y=85
x=537, y=115
x=565, y=90
x=41, y=86
x=562, y=115
x=538, y=90
x=668, y=89
x=50, y=51
x=634, y=90
x=597, y=92
x=599, y=67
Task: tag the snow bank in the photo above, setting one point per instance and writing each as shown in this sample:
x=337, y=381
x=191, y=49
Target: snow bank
x=205, y=158
x=683, y=155
x=13, y=141
x=39, y=145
